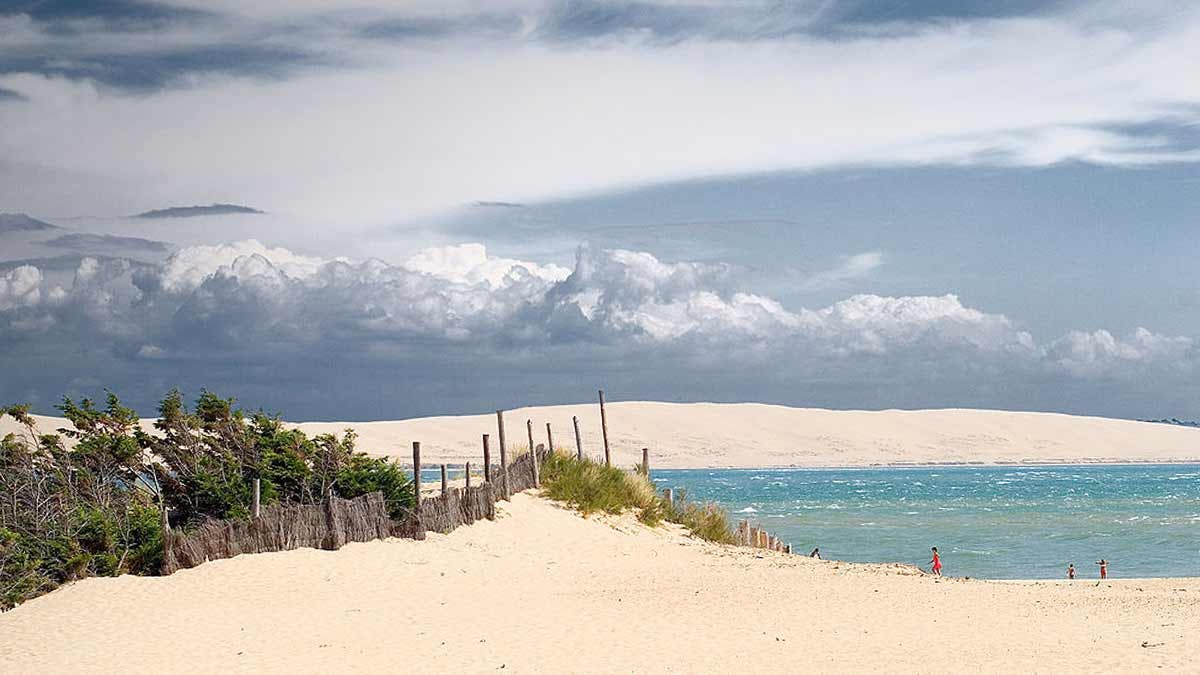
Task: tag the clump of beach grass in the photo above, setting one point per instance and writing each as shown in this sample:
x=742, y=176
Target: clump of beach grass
x=595, y=488
x=706, y=521
x=592, y=487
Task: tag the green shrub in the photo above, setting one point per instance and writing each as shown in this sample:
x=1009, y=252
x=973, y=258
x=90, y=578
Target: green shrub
x=365, y=474
x=592, y=487
x=95, y=510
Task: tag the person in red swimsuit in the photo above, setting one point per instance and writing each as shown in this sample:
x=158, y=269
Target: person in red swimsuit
x=936, y=562
x=1103, y=568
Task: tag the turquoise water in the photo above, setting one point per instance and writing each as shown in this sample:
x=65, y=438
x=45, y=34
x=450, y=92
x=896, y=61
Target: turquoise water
x=993, y=522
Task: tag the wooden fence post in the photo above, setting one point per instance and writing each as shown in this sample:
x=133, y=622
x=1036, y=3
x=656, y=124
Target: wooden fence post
x=487, y=460
x=669, y=497
x=256, y=504
x=743, y=532
x=549, y=438
x=533, y=459
x=445, y=485
x=503, y=455
x=417, y=478
x=468, y=472
x=500, y=426
x=754, y=536
x=604, y=430
x=646, y=462
x=578, y=440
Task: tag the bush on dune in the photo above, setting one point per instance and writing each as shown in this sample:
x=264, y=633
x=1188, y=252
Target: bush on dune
x=69, y=514
x=95, y=509
x=592, y=487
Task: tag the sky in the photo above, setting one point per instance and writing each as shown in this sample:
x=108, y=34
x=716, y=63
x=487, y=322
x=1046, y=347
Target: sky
x=471, y=205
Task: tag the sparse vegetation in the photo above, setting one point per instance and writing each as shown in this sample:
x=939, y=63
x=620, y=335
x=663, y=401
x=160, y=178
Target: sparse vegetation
x=706, y=520
x=592, y=487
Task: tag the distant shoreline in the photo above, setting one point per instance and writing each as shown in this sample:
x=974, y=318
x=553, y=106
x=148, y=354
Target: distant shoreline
x=755, y=435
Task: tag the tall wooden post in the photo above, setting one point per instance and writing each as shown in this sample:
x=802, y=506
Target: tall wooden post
x=669, y=497
x=487, y=460
x=445, y=485
x=500, y=426
x=578, y=440
x=549, y=438
x=533, y=459
x=256, y=504
x=503, y=455
x=604, y=430
x=646, y=462
x=417, y=476
x=468, y=473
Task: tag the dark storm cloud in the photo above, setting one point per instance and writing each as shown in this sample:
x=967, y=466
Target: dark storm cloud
x=154, y=69
x=84, y=40
x=403, y=29
x=70, y=16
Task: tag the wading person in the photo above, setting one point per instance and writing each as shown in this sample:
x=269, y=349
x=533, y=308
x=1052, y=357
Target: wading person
x=1071, y=571
x=1103, y=568
x=936, y=562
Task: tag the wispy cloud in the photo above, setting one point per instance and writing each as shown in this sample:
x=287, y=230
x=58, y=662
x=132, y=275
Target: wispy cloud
x=290, y=107
x=852, y=268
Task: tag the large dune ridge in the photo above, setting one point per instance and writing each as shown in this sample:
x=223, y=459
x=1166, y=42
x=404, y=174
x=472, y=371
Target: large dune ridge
x=545, y=590
x=702, y=435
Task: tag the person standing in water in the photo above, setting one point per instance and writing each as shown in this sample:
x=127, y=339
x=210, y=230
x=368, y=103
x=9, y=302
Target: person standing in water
x=1071, y=571
x=936, y=562
x=816, y=553
x=1103, y=568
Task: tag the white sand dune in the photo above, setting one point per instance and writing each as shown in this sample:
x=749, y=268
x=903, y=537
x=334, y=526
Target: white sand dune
x=544, y=590
x=683, y=435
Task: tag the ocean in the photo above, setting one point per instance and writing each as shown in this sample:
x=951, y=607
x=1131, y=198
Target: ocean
x=1003, y=522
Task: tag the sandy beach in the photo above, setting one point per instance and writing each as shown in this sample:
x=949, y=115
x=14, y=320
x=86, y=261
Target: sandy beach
x=693, y=435
x=545, y=590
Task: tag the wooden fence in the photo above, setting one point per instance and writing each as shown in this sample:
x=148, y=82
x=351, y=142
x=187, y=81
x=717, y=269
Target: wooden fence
x=749, y=535
x=280, y=527
x=332, y=524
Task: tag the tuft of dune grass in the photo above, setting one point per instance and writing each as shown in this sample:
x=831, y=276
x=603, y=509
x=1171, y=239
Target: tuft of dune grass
x=707, y=521
x=595, y=488
x=592, y=487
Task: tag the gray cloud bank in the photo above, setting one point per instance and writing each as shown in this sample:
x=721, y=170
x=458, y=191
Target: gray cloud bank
x=454, y=329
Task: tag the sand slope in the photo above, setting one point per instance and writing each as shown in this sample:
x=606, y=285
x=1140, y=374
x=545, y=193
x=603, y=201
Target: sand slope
x=544, y=590
x=682, y=435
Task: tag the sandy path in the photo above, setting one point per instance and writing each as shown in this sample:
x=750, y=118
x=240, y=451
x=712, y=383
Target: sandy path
x=682, y=435
x=544, y=590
